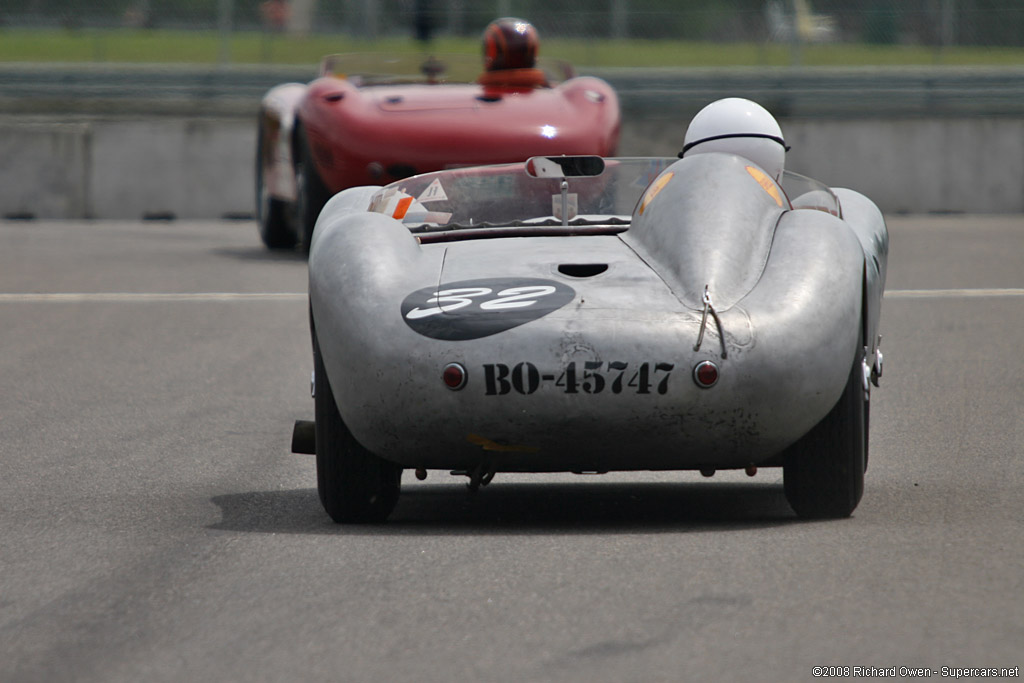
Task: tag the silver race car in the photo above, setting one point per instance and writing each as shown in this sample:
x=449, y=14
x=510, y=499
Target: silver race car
x=580, y=314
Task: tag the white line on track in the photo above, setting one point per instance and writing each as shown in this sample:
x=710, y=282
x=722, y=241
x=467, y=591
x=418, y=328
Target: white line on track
x=129, y=297
x=77, y=297
x=951, y=293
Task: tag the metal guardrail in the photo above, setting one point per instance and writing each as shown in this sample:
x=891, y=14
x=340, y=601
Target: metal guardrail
x=831, y=92
x=68, y=90
x=76, y=90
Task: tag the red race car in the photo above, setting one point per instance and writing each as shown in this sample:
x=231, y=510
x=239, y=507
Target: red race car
x=371, y=120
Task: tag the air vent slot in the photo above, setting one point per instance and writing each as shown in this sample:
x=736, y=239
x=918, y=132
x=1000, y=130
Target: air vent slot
x=582, y=269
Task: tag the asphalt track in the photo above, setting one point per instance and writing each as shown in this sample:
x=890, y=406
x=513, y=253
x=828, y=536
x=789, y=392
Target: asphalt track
x=154, y=526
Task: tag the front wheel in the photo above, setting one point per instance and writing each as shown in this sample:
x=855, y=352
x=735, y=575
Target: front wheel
x=271, y=213
x=354, y=484
x=311, y=192
x=823, y=472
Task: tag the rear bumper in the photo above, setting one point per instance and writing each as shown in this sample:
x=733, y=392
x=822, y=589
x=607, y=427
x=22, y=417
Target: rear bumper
x=579, y=391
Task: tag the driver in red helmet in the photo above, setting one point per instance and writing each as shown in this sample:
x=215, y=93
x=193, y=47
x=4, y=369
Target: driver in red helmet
x=510, y=55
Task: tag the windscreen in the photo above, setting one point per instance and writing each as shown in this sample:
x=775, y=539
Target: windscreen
x=505, y=195
x=808, y=193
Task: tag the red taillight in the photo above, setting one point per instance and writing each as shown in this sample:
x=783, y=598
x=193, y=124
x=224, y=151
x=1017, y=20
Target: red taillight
x=454, y=376
x=705, y=374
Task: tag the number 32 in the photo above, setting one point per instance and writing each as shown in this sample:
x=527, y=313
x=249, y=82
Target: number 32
x=448, y=300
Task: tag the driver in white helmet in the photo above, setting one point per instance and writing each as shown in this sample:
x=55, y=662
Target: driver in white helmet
x=741, y=127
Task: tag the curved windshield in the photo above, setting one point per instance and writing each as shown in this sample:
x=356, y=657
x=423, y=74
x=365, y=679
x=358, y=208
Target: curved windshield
x=808, y=193
x=505, y=195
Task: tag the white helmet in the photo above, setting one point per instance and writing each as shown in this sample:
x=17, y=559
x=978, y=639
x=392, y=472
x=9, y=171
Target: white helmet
x=738, y=126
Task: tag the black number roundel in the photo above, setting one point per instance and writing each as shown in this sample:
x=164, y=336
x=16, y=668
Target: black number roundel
x=471, y=309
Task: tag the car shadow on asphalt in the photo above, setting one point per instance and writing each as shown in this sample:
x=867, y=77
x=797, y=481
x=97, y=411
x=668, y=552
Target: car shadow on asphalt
x=517, y=508
x=259, y=254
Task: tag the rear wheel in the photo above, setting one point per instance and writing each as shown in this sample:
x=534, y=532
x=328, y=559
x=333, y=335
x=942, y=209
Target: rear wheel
x=823, y=473
x=311, y=193
x=271, y=213
x=354, y=484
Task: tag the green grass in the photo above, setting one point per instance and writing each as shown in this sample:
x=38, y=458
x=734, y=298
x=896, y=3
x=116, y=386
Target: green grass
x=196, y=47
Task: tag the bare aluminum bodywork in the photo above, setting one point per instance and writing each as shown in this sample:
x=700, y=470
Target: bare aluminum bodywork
x=598, y=376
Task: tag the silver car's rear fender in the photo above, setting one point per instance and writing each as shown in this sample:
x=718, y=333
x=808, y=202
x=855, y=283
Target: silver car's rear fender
x=867, y=223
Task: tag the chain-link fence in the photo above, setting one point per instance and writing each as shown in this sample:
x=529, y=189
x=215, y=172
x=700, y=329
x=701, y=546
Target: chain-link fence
x=914, y=22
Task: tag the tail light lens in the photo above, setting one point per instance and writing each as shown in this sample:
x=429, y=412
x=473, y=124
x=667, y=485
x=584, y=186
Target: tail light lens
x=454, y=376
x=705, y=374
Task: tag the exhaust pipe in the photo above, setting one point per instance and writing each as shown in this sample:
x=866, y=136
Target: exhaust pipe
x=304, y=437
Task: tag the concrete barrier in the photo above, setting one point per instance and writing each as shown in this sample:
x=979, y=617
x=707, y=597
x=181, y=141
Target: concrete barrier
x=162, y=167
x=153, y=167
x=44, y=170
x=906, y=165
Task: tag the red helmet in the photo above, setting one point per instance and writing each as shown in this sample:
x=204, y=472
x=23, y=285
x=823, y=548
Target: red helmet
x=510, y=44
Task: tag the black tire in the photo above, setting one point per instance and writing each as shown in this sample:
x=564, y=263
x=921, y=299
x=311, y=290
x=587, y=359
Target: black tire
x=823, y=473
x=271, y=214
x=867, y=431
x=311, y=193
x=354, y=484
